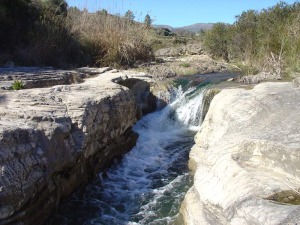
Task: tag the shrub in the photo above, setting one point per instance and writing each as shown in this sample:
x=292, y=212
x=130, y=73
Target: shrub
x=268, y=39
x=17, y=85
x=185, y=65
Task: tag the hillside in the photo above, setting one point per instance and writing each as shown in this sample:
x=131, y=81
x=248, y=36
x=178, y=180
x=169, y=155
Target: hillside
x=192, y=28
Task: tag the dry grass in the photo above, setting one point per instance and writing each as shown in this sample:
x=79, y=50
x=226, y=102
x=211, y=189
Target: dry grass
x=112, y=40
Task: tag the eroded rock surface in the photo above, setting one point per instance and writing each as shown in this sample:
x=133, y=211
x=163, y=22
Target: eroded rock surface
x=37, y=77
x=247, y=153
x=53, y=140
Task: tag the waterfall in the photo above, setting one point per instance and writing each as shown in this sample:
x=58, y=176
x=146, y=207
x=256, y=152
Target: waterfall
x=148, y=184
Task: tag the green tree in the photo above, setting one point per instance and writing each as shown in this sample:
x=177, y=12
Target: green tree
x=129, y=15
x=104, y=12
x=17, y=18
x=217, y=40
x=59, y=7
x=148, y=20
x=244, y=35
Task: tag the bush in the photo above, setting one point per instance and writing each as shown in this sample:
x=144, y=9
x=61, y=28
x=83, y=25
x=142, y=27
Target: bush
x=217, y=40
x=269, y=39
x=185, y=65
x=17, y=85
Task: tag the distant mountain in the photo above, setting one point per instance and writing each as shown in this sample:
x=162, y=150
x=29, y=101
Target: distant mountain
x=192, y=28
x=197, y=27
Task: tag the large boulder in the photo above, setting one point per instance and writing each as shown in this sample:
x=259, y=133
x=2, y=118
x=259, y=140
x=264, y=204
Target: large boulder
x=247, y=159
x=53, y=140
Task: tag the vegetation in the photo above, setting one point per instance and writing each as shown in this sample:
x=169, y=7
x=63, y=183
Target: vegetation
x=185, y=65
x=148, y=21
x=17, y=85
x=112, y=40
x=47, y=32
x=268, y=40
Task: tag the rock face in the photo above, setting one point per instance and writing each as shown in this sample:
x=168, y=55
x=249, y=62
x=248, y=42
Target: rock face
x=53, y=140
x=247, y=159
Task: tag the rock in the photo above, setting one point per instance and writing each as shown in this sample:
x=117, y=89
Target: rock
x=247, y=150
x=93, y=70
x=296, y=82
x=291, y=198
x=34, y=77
x=255, y=79
x=53, y=140
x=190, y=49
x=146, y=101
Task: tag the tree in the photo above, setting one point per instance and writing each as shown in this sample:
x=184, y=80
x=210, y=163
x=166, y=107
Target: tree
x=16, y=19
x=245, y=36
x=129, y=15
x=148, y=21
x=104, y=12
x=217, y=40
x=59, y=7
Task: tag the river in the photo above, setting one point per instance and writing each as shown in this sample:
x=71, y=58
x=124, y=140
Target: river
x=147, y=185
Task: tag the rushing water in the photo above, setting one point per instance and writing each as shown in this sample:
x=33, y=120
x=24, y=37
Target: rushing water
x=148, y=184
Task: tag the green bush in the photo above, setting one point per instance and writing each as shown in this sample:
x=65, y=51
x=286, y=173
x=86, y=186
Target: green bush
x=185, y=65
x=268, y=40
x=17, y=85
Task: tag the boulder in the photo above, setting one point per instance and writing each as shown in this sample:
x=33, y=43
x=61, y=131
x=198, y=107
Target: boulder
x=296, y=82
x=53, y=140
x=246, y=159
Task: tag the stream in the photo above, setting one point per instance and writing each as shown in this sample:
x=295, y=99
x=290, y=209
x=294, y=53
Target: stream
x=148, y=184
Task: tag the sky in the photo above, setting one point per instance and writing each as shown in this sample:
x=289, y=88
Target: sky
x=178, y=13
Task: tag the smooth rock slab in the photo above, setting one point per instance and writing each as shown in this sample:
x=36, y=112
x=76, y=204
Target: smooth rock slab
x=247, y=151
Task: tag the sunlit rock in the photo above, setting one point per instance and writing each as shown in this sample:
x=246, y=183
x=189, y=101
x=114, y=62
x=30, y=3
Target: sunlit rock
x=247, y=159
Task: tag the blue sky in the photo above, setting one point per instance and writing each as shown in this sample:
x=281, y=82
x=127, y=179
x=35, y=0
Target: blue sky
x=178, y=12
